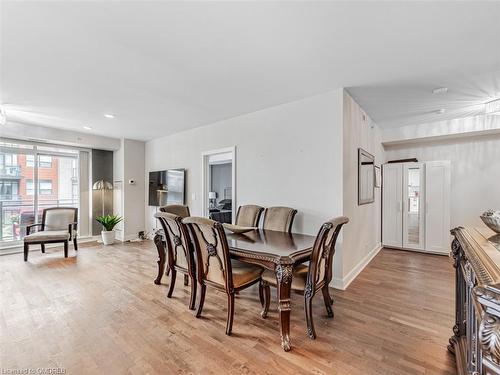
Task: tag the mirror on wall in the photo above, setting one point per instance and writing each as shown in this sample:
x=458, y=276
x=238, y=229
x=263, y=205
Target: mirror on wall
x=366, y=177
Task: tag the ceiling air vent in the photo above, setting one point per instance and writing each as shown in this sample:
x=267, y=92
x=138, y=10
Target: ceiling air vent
x=493, y=107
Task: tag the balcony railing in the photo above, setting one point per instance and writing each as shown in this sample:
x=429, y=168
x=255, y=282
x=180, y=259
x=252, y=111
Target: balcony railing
x=16, y=215
x=6, y=171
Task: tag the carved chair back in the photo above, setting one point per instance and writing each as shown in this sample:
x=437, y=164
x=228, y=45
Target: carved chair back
x=212, y=252
x=320, y=265
x=249, y=215
x=176, y=209
x=59, y=218
x=180, y=253
x=279, y=218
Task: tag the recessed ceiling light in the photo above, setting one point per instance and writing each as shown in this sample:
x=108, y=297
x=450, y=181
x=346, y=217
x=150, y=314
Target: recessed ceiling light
x=440, y=90
x=440, y=111
x=109, y=115
x=87, y=128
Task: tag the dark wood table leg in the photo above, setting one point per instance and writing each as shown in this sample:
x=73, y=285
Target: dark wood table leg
x=284, y=282
x=162, y=257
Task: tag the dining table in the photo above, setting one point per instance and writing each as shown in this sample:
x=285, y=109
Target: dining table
x=277, y=251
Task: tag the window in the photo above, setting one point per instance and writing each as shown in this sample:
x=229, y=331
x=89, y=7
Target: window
x=30, y=190
x=44, y=161
x=8, y=160
x=9, y=190
x=34, y=177
x=45, y=187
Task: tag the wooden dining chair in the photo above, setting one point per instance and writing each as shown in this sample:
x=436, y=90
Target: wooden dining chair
x=182, y=211
x=180, y=256
x=248, y=215
x=215, y=267
x=314, y=277
x=279, y=218
x=176, y=209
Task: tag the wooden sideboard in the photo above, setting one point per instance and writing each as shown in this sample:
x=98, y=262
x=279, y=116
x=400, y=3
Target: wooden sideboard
x=476, y=333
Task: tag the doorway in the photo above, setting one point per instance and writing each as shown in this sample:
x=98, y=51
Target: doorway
x=219, y=184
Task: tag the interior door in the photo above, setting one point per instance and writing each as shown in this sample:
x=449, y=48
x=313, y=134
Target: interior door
x=437, y=186
x=392, y=215
x=413, y=206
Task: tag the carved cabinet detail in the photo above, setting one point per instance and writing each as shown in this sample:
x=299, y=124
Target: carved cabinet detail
x=476, y=332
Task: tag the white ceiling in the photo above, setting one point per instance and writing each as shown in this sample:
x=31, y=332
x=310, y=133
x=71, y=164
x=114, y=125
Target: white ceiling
x=162, y=67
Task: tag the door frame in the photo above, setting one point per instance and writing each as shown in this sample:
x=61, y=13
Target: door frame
x=205, y=178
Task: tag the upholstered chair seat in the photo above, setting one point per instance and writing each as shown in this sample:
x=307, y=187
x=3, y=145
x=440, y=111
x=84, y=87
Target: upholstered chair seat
x=215, y=268
x=244, y=273
x=313, y=277
x=298, y=280
x=47, y=235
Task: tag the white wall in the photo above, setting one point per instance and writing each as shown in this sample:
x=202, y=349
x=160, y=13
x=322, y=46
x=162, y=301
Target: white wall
x=475, y=172
x=128, y=164
x=287, y=155
x=361, y=236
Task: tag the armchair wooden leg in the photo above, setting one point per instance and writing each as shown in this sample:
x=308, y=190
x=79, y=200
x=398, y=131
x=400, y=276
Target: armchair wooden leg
x=230, y=313
x=26, y=250
x=65, y=249
x=75, y=244
x=186, y=280
x=192, y=301
x=309, y=318
x=43, y=248
x=267, y=299
x=172, y=282
x=202, y=300
x=328, y=301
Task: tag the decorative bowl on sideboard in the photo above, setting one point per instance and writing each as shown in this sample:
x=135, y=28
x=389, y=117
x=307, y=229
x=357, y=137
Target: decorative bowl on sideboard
x=492, y=220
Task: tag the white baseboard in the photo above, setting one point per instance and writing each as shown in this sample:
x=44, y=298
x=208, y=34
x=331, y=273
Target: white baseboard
x=343, y=283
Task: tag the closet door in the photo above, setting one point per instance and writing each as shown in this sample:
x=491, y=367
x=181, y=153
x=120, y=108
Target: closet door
x=392, y=216
x=413, y=206
x=437, y=187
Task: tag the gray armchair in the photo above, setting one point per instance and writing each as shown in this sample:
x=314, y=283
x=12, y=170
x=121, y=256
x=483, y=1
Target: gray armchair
x=59, y=225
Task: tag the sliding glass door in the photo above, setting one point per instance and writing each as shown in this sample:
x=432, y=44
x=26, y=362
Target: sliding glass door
x=32, y=178
x=16, y=207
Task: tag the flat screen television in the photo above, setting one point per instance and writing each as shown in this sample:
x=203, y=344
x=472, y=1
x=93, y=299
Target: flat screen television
x=167, y=187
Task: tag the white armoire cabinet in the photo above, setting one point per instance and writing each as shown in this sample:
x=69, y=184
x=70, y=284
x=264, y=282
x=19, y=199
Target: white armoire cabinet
x=416, y=206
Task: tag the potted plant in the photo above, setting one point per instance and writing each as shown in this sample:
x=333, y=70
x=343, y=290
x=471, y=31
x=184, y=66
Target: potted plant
x=108, y=222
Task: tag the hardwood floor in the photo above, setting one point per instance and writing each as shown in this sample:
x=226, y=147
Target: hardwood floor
x=100, y=313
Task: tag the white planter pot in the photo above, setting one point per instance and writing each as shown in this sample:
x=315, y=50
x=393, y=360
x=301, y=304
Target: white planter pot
x=108, y=237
